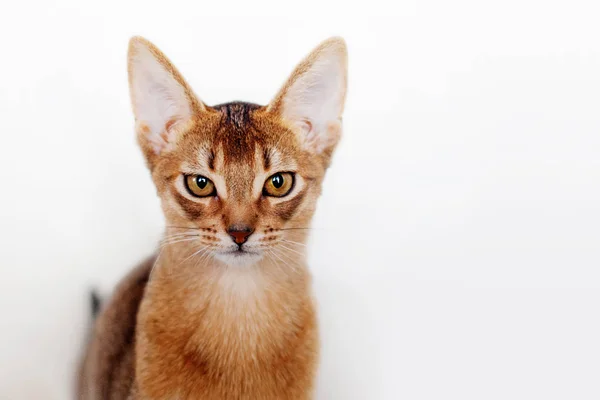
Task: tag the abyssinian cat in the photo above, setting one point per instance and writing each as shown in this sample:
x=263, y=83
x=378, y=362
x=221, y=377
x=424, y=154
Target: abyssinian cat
x=224, y=310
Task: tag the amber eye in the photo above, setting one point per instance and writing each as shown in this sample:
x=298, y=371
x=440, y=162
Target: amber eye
x=279, y=185
x=200, y=186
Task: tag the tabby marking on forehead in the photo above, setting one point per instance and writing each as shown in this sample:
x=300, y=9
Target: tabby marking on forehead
x=237, y=112
x=277, y=162
x=237, y=135
x=205, y=159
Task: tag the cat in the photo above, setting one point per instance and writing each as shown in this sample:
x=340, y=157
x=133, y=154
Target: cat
x=225, y=309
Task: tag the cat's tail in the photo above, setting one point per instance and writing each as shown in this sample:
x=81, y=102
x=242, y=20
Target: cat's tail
x=95, y=303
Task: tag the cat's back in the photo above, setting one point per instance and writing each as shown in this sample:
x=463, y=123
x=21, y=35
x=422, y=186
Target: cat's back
x=107, y=369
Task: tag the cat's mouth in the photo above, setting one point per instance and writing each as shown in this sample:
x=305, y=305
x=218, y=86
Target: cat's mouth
x=241, y=252
x=239, y=256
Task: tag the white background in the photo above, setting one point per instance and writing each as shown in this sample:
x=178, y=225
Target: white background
x=455, y=249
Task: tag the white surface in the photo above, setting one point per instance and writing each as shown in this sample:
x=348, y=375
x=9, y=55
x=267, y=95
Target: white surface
x=456, y=245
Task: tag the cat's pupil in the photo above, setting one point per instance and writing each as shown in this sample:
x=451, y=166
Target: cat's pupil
x=201, y=182
x=277, y=181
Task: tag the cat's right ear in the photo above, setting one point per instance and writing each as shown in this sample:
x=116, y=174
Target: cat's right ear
x=163, y=103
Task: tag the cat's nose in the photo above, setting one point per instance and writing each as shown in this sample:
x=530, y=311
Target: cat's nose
x=239, y=233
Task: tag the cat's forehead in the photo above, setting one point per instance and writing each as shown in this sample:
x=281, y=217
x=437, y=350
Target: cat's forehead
x=241, y=135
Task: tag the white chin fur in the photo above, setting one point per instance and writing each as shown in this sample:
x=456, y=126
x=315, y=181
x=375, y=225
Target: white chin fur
x=239, y=259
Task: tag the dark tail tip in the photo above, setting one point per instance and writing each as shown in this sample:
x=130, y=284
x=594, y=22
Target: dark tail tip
x=95, y=303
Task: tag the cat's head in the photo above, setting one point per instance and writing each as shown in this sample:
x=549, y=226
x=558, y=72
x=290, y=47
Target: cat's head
x=238, y=180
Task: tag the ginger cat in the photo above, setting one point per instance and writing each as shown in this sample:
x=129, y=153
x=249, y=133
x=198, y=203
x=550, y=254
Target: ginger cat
x=225, y=310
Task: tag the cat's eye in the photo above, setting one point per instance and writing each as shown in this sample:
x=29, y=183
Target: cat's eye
x=279, y=184
x=199, y=186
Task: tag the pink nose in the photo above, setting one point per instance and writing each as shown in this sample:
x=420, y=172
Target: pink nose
x=239, y=234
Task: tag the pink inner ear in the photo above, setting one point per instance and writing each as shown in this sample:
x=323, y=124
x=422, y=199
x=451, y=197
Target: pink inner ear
x=158, y=142
x=311, y=137
x=170, y=123
x=319, y=140
x=161, y=141
x=167, y=134
x=306, y=126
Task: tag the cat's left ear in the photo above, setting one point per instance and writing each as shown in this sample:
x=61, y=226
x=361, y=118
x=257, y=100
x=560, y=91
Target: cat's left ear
x=163, y=103
x=312, y=99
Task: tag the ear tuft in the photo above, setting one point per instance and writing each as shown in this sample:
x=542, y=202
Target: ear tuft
x=312, y=99
x=161, y=99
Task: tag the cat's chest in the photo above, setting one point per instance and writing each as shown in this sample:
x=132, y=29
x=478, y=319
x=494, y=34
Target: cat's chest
x=241, y=334
x=232, y=350
x=233, y=323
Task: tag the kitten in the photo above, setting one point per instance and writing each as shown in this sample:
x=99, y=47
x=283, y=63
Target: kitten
x=225, y=310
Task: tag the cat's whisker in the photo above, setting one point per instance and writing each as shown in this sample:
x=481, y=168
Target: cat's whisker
x=275, y=263
x=176, y=237
x=206, y=255
x=290, y=267
x=181, y=234
x=194, y=254
x=294, y=266
x=293, y=242
x=289, y=257
x=272, y=251
x=155, y=262
x=192, y=228
x=168, y=243
x=295, y=251
x=186, y=232
x=200, y=256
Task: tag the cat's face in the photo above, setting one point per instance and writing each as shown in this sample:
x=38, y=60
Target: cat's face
x=240, y=180
x=243, y=179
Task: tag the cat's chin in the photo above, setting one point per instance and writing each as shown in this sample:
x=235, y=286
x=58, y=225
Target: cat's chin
x=237, y=258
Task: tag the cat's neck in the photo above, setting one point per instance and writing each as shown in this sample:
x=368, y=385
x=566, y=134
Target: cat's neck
x=203, y=320
x=211, y=305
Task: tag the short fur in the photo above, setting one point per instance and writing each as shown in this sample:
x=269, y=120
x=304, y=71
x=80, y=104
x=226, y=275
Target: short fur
x=202, y=321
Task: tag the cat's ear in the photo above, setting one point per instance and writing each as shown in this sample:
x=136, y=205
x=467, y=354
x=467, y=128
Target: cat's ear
x=163, y=103
x=312, y=99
